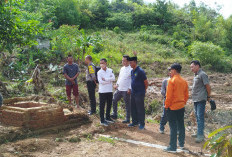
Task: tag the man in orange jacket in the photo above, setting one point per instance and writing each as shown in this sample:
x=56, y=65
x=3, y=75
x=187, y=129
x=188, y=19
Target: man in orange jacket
x=176, y=98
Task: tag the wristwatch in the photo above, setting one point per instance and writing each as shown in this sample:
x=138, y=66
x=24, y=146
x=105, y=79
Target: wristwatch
x=208, y=97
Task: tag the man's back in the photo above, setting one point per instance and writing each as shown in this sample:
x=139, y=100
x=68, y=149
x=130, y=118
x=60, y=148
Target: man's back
x=177, y=93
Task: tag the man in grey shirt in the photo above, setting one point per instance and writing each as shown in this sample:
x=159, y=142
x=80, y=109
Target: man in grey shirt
x=201, y=92
x=164, y=118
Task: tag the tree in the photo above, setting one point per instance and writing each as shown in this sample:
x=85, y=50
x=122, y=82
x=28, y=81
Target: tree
x=67, y=12
x=100, y=11
x=162, y=14
x=14, y=28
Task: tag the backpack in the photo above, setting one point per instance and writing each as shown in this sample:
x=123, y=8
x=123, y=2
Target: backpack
x=97, y=68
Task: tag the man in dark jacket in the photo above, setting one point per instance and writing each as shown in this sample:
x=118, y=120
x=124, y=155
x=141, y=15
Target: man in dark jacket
x=139, y=86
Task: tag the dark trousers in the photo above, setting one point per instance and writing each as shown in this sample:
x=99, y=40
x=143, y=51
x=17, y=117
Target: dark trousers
x=138, y=109
x=105, y=97
x=176, y=120
x=91, y=90
x=126, y=97
x=164, y=119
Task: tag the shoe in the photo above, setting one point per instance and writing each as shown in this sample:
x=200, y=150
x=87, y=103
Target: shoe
x=126, y=121
x=170, y=150
x=104, y=124
x=132, y=125
x=194, y=135
x=181, y=147
x=109, y=120
x=199, y=139
x=141, y=127
x=91, y=113
x=161, y=131
x=113, y=116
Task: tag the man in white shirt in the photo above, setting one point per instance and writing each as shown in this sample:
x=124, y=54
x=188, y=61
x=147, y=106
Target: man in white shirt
x=105, y=78
x=123, y=87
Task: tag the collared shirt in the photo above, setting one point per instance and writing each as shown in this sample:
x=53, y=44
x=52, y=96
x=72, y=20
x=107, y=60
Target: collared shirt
x=199, y=92
x=107, y=85
x=164, y=87
x=177, y=93
x=138, y=77
x=71, y=71
x=124, y=79
x=90, y=72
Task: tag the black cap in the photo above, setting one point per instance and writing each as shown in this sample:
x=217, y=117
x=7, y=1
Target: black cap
x=133, y=59
x=177, y=67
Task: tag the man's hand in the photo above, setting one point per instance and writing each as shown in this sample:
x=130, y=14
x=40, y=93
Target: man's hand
x=208, y=99
x=103, y=79
x=115, y=86
x=129, y=91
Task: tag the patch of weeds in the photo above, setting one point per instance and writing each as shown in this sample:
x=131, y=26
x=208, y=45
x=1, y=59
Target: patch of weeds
x=153, y=121
x=88, y=136
x=153, y=107
x=108, y=140
x=59, y=140
x=74, y=139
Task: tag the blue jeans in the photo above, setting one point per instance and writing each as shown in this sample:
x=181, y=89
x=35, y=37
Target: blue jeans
x=176, y=122
x=200, y=116
x=164, y=119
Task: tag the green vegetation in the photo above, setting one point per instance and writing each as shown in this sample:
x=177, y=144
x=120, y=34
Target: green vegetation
x=220, y=142
x=106, y=139
x=160, y=31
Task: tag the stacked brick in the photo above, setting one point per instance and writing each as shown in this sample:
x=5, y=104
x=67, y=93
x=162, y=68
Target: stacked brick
x=32, y=115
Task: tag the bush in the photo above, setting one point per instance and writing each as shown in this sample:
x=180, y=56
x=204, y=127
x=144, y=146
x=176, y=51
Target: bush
x=117, y=30
x=122, y=20
x=209, y=54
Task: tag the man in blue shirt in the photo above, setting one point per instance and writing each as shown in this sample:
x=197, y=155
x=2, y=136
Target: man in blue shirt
x=139, y=86
x=71, y=72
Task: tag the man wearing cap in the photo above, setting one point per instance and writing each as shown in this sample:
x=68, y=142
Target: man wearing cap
x=91, y=83
x=123, y=89
x=201, y=92
x=164, y=117
x=176, y=99
x=139, y=86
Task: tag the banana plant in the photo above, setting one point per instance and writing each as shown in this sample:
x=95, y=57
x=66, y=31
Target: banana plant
x=220, y=142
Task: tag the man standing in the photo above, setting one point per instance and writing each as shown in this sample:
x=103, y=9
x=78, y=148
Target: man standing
x=91, y=83
x=123, y=87
x=105, y=79
x=164, y=117
x=71, y=72
x=176, y=98
x=139, y=86
x=201, y=92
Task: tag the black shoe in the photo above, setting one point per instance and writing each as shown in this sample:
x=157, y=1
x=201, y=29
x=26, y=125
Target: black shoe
x=114, y=116
x=132, y=125
x=109, y=120
x=126, y=121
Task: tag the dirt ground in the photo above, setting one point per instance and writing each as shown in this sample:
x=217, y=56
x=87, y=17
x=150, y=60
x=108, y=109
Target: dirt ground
x=84, y=140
